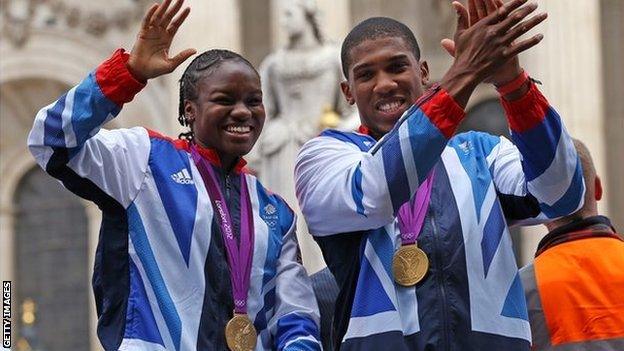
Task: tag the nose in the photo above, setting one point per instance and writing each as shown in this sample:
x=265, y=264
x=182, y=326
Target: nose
x=240, y=111
x=384, y=84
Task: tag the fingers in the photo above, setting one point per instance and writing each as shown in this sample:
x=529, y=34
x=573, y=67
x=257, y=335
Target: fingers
x=504, y=11
x=157, y=17
x=147, y=19
x=472, y=11
x=490, y=6
x=524, y=27
x=181, y=57
x=463, y=21
x=171, y=12
x=481, y=9
x=177, y=22
x=449, y=46
x=523, y=45
x=515, y=17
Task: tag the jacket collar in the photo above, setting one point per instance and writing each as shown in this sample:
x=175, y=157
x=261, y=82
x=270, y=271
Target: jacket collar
x=595, y=226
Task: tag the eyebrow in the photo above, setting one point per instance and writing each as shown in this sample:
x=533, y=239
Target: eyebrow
x=365, y=65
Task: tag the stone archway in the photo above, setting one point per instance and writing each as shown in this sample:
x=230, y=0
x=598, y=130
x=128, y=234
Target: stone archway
x=51, y=269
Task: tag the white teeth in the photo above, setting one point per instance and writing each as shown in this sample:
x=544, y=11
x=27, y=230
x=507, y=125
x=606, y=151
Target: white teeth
x=389, y=106
x=238, y=129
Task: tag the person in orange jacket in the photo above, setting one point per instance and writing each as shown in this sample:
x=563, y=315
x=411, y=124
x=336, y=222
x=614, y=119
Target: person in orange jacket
x=575, y=285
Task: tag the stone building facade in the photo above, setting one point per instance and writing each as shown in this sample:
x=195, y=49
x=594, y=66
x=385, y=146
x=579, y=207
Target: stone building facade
x=48, y=238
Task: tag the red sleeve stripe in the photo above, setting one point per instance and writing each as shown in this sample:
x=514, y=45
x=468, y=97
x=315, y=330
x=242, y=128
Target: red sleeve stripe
x=114, y=79
x=528, y=111
x=444, y=113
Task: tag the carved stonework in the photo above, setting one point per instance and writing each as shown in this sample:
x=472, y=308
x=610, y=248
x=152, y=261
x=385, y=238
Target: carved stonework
x=301, y=94
x=19, y=17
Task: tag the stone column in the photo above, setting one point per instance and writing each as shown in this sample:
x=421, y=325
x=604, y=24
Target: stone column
x=613, y=85
x=568, y=62
x=6, y=242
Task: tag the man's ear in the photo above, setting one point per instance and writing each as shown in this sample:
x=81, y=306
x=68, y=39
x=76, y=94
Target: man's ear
x=346, y=91
x=597, y=188
x=424, y=73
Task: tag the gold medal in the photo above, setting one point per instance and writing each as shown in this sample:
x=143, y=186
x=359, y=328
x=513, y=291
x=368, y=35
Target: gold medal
x=240, y=333
x=409, y=265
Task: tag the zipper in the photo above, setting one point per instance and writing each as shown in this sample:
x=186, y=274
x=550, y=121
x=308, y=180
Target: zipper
x=228, y=186
x=440, y=279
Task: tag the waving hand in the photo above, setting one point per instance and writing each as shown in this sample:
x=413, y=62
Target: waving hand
x=149, y=57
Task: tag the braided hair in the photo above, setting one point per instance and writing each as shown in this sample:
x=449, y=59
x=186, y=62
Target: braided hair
x=203, y=64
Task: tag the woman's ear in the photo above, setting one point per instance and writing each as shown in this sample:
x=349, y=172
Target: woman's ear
x=190, y=111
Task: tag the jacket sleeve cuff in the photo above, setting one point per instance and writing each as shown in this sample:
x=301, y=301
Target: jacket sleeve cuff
x=115, y=80
x=526, y=112
x=444, y=112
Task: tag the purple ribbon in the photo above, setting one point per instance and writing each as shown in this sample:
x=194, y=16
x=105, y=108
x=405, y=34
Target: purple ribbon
x=239, y=258
x=412, y=213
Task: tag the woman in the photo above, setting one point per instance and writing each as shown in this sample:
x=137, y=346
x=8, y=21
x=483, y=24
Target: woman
x=193, y=252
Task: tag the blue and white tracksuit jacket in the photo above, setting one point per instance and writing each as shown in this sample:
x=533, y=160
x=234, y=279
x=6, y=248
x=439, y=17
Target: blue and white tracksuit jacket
x=350, y=187
x=161, y=279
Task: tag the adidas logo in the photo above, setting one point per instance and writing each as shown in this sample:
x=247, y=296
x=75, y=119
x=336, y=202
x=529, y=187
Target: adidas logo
x=182, y=177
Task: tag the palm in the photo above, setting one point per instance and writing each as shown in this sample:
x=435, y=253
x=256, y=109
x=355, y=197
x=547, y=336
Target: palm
x=150, y=54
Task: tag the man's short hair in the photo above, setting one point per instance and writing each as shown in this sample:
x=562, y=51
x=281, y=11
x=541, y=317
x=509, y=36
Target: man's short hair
x=375, y=28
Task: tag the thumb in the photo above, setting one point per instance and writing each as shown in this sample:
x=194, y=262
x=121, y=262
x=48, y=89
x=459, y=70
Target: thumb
x=449, y=46
x=181, y=57
x=462, y=16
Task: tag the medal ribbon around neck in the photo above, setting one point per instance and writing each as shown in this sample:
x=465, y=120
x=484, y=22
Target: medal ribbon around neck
x=239, y=258
x=410, y=264
x=412, y=214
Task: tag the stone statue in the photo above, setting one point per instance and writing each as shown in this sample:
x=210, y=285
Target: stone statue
x=302, y=96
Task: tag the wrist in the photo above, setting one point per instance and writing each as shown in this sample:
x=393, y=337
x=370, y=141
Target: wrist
x=515, y=88
x=131, y=65
x=459, y=84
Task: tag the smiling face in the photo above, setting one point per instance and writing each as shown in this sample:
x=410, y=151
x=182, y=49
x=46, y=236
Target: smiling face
x=385, y=79
x=228, y=113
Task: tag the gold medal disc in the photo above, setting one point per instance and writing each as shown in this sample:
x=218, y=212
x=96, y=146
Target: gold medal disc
x=409, y=265
x=240, y=333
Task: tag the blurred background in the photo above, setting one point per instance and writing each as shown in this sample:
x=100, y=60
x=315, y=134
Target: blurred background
x=48, y=236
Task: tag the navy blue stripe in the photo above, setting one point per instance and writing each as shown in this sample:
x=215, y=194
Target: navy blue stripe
x=140, y=317
x=363, y=142
x=570, y=200
x=179, y=200
x=111, y=269
x=395, y=173
x=443, y=296
x=53, y=124
x=356, y=190
x=492, y=234
x=85, y=117
x=539, y=145
x=426, y=142
x=148, y=260
x=518, y=207
x=292, y=326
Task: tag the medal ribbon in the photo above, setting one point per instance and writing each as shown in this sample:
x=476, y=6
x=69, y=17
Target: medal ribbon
x=239, y=258
x=412, y=214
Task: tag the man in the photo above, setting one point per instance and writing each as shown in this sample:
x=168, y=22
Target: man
x=352, y=185
x=575, y=286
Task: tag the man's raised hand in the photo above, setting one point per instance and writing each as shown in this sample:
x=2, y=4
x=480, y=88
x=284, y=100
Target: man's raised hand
x=483, y=47
x=149, y=57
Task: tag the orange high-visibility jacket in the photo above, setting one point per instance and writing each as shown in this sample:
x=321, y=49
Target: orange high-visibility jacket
x=575, y=288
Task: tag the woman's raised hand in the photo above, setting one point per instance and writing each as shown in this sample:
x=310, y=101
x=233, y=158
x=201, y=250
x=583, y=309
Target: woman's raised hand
x=149, y=57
